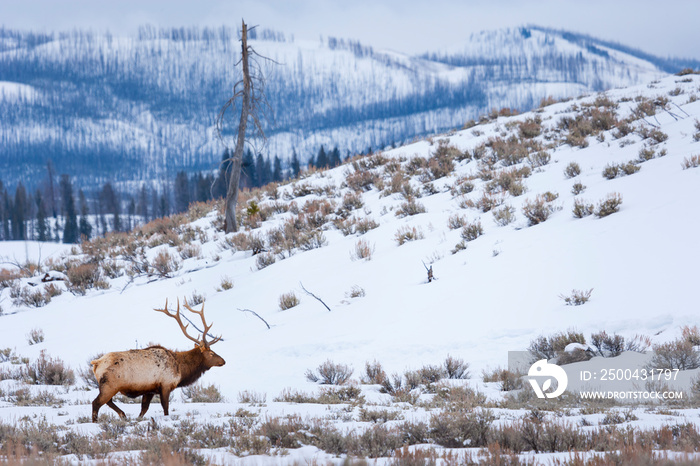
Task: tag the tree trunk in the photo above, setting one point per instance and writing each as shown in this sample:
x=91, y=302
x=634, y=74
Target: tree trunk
x=230, y=224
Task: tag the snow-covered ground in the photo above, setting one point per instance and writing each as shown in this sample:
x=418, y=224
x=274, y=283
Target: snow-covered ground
x=497, y=295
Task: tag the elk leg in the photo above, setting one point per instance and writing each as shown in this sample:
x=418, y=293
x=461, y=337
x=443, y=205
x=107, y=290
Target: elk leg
x=121, y=413
x=102, y=399
x=165, y=400
x=145, y=403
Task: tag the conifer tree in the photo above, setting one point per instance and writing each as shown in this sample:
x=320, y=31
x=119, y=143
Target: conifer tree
x=41, y=227
x=84, y=227
x=295, y=166
x=70, y=229
x=182, y=192
x=321, y=158
x=277, y=170
x=19, y=212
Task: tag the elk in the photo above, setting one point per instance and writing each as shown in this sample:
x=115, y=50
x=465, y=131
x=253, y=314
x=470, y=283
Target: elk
x=154, y=370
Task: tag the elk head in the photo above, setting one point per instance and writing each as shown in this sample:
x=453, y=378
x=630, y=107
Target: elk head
x=210, y=358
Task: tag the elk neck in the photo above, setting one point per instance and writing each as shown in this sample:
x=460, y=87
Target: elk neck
x=190, y=365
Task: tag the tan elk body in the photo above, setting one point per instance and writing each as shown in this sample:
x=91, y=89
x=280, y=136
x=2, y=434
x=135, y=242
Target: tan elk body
x=154, y=370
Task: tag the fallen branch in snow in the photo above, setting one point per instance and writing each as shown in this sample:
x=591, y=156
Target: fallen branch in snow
x=256, y=315
x=314, y=296
x=431, y=277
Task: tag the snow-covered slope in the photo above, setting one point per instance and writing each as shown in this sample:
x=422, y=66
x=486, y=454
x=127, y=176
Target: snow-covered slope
x=493, y=294
x=153, y=98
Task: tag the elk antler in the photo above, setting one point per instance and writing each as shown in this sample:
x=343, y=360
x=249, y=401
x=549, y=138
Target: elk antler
x=178, y=318
x=204, y=323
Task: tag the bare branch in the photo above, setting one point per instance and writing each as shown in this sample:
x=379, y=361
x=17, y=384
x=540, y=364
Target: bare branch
x=256, y=315
x=314, y=296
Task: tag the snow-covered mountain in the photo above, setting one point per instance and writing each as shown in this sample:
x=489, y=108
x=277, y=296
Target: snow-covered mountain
x=142, y=107
x=597, y=194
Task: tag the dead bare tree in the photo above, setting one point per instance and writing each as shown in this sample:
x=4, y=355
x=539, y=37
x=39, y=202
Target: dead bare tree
x=249, y=93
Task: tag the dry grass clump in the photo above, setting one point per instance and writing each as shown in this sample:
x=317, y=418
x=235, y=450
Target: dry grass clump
x=406, y=234
x=572, y=170
x=165, y=264
x=49, y=371
x=35, y=335
x=582, y=209
x=509, y=181
x=198, y=393
x=530, y=128
x=538, y=210
x=553, y=346
x=330, y=373
x=456, y=221
x=609, y=205
x=504, y=215
x=288, y=301
x=691, y=162
x=615, y=170
x=361, y=180
x=578, y=188
x=410, y=207
x=678, y=354
x=265, y=259
x=508, y=380
x=83, y=277
x=374, y=373
x=577, y=297
x=362, y=250
x=471, y=231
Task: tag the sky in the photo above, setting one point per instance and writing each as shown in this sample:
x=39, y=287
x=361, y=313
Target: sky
x=664, y=28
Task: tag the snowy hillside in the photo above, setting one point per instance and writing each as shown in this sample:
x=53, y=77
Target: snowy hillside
x=91, y=101
x=490, y=208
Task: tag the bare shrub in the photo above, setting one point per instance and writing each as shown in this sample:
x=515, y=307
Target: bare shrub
x=410, y=207
x=456, y=221
x=539, y=159
x=253, y=398
x=609, y=205
x=265, y=259
x=582, y=209
x=456, y=368
x=615, y=170
x=550, y=347
x=226, y=283
x=330, y=373
x=362, y=250
x=83, y=277
x=188, y=251
x=691, y=334
x=28, y=297
x=164, y=264
x=288, y=301
x=406, y=233
x=691, y=162
x=36, y=335
x=530, y=128
x=504, y=215
x=572, y=170
x=577, y=297
x=578, y=188
x=471, y=231
x=538, y=210
x=198, y=393
x=356, y=292
x=374, y=373
x=677, y=354
x=456, y=430
x=488, y=202
x=49, y=371
x=608, y=345
x=508, y=380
